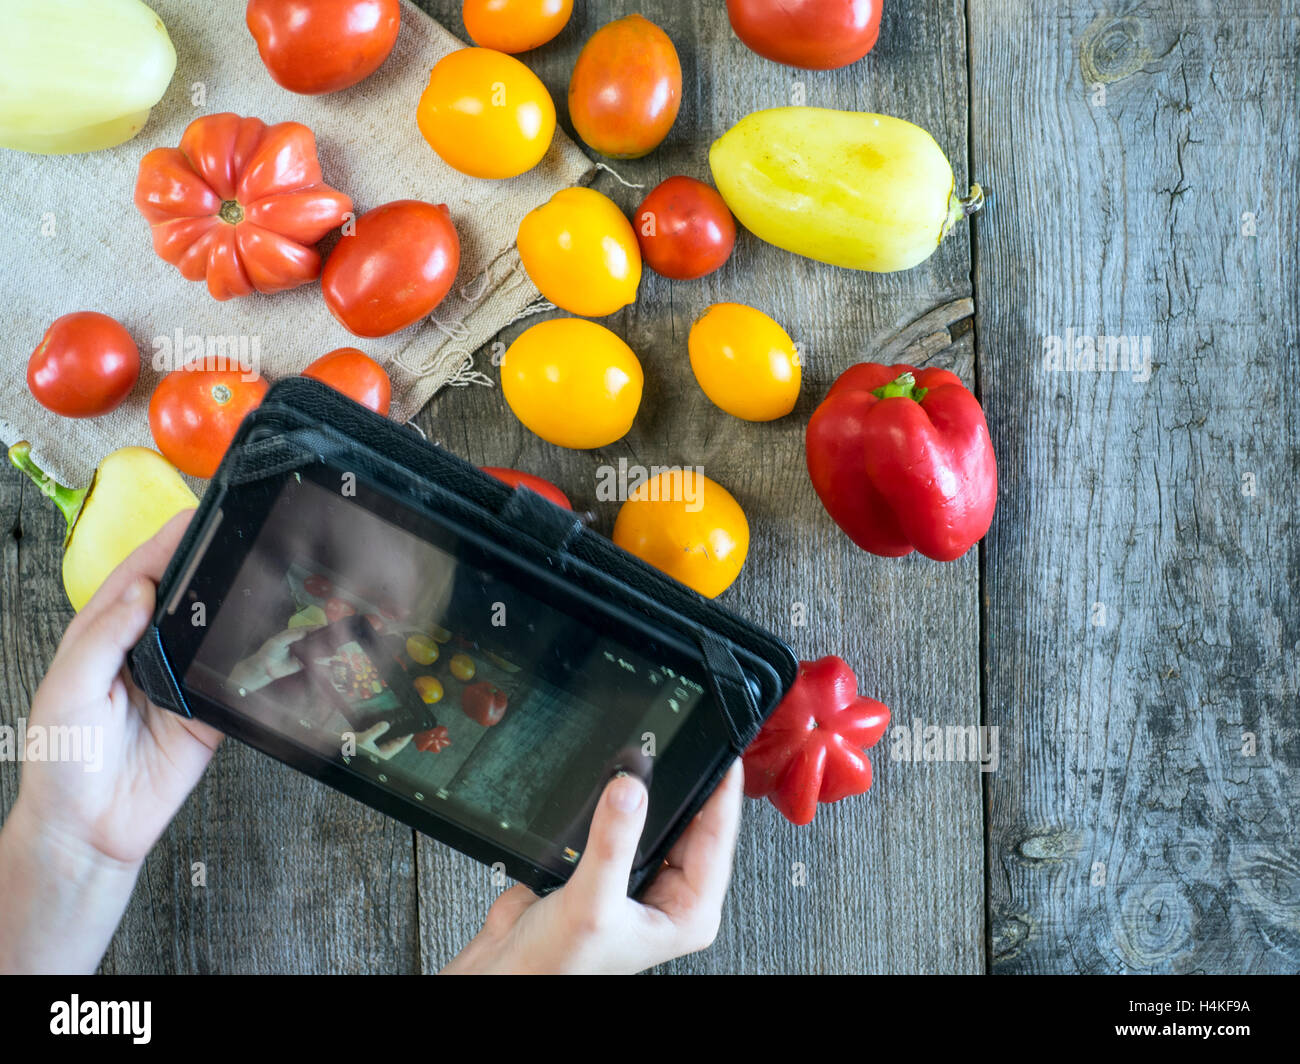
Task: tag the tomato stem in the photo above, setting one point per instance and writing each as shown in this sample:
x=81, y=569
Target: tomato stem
x=68, y=500
x=231, y=212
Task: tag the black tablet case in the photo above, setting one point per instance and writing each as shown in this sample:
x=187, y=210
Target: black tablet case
x=302, y=422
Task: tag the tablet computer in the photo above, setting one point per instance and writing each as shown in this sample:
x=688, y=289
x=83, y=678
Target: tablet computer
x=463, y=657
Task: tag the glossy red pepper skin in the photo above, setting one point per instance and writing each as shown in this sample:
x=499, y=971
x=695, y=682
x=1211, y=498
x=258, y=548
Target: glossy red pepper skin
x=899, y=474
x=812, y=747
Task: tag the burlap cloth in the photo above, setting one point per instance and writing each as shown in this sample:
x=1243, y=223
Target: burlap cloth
x=71, y=238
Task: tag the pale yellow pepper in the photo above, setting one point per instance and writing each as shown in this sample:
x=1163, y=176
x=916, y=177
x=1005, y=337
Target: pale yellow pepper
x=865, y=191
x=135, y=491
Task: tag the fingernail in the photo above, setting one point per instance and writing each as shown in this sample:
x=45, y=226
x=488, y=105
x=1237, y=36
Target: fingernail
x=626, y=793
x=134, y=590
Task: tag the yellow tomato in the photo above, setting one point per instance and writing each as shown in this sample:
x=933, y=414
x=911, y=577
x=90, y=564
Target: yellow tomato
x=429, y=688
x=572, y=382
x=515, y=25
x=462, y=667
x=486, y=113
x=422, y=649
x=687, y=525
x=745, y=362
x=581, y=252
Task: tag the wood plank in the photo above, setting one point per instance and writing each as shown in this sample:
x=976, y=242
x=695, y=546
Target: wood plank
x=895, y=879
x=1132, y=828
x=298, y=878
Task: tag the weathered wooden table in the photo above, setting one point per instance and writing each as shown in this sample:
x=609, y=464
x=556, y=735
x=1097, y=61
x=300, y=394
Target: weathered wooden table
x=1129, y=626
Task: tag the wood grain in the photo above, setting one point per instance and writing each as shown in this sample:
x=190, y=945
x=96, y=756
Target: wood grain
x=894, y=879
x=1132, y=827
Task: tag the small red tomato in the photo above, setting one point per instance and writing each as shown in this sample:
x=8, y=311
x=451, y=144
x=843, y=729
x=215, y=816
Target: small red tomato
x=484, y=703
x=685, y=229
x=317, y=46
x=394, y=269
x=84, y=366
x=356, y=375
x=195, y=411
x=318, y=586
x=336, y=609
x=813, y=34
x=626, y=88
x=517, y=479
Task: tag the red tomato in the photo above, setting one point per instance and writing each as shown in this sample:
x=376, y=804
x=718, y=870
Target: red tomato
x=316, y=46
x=318, y=586
x=626, y=88
x=685, y=229
x=195, y=411
x=84, y=366
x=336, y=609
x=356, y=375
x=484, y=703
x=813, y=34
x=394, y=269
x=544, y=488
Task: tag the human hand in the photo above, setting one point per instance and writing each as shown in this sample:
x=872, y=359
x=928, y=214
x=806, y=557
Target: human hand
x=590, y=925
x=74, y=840
x=368, y=741
x=271, y=661
x=150, y=758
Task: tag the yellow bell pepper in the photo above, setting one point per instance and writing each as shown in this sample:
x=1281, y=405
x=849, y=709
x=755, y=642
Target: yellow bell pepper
x=79, y=75
x=865, y=191
x=134, y=493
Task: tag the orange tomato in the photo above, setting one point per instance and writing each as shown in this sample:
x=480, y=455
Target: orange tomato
x=580, y=251
x=421, y=649
x=429, y=688
x=486, y=114
x=572, y=382
x=356, y=375
x=688, y=526
x=514, y=25
x=462, y=667
x=195, y=411
x=626, y=88
x=745, y=362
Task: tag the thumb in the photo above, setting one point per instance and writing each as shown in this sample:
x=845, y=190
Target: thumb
x=93, y=655
x=602, y=875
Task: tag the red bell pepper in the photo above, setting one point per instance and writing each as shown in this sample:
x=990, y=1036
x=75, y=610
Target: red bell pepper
x=901, y=459
x=811, y=748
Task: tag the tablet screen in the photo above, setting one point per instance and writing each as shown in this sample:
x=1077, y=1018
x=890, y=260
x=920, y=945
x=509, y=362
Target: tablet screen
x=421, y=662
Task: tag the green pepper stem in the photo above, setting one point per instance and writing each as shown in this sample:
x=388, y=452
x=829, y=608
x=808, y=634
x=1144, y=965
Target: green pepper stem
x=68, y=500
x=903, y=387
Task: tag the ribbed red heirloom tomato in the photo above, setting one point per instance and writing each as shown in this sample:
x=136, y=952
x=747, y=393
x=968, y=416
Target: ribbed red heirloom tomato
x=195, y=411
x=239, y=204
x=84, y=366
x=356, y=375
x=394, y=269
x=685, y=229
x=317, y=46
x=813, y=34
